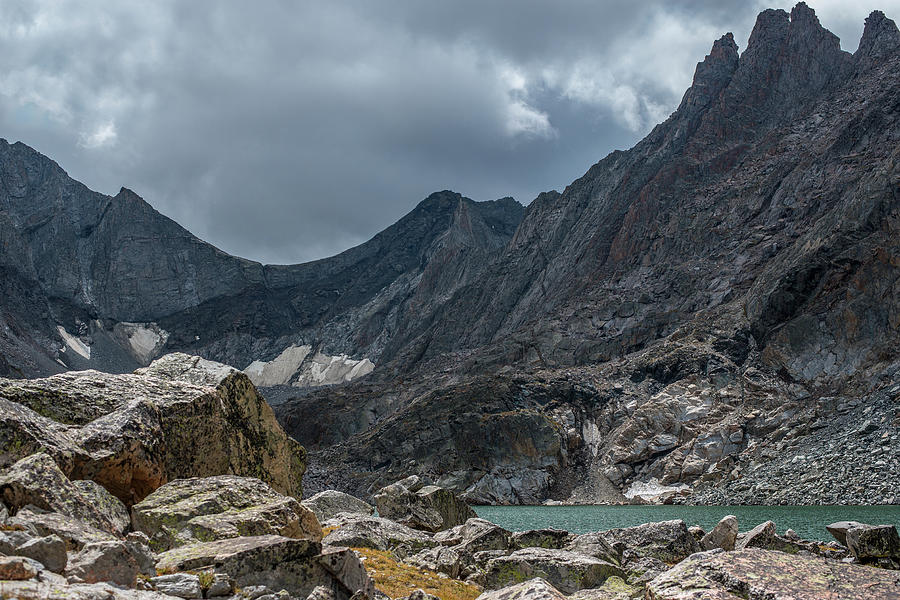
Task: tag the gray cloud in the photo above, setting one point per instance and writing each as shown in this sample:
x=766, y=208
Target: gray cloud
x=286, y=131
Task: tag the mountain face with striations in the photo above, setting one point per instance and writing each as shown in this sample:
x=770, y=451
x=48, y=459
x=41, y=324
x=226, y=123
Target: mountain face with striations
x=706, y=317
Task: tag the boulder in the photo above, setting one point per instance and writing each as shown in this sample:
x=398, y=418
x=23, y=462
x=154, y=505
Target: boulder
x=180, y=585
x=533, y=589
x=723, y=535
x=839, y=530
x=359, y=531
x=38, y=481
x=73, y=532
x=105, y=503
x=757, y=573
x=556, y=539
x=566, y=571
x=112, y=562
x=186, y=511
x=49, y=550
x=668, y=541
x=328, y=504
x=595, y=544
x=441, y=559
x=697, y=532
x=221, y=585
x=180, y=417
x=614, y=588
x=274, y=561
x=429, y=508
x=18, y=568
x=871, y=542
x=761, y=536
x=475, y=535
x=59, y=590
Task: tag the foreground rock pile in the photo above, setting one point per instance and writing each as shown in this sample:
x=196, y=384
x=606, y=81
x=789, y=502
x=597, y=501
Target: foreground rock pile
x=172, y=482
x=176, y=482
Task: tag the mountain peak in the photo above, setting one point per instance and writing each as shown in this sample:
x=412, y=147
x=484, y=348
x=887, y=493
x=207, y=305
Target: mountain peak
x=712, y=74
x=880, y=39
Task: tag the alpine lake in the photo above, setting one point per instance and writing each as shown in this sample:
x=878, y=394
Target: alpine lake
x=808, y=521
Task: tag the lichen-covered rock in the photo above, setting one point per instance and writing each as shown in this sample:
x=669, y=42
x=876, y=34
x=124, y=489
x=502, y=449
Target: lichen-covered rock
x=60, y=590
x=868, y=543
x=761, y=536
x=193, y=510
x=669, y=541
x=73, y=532
x=18, y=568
x=595, y=544
x=839, y=530
x=347, y=570
x=614, y=588
x=329, y=503
x=105, y=503
x=37, y=480
x=360, y=531
x=757, y=573
x=475, y=535
x=270, y=560
x=566, y=571
x=112, y=562
x=723, y=535
x=181, y=585
x=556, y=539
x=49, y=550
x=429, y=508
x=441, y=559
x=180, y=417
x=533, y=589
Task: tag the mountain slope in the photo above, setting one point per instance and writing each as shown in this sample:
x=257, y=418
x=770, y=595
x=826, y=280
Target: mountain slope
x=688, y=310
x=126, y=283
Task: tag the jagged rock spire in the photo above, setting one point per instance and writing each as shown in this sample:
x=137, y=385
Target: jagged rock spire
x=712, y=74
x=880, y=39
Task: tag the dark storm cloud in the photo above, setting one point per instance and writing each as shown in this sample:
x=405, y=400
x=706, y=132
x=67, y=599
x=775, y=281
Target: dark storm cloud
x=286, y=131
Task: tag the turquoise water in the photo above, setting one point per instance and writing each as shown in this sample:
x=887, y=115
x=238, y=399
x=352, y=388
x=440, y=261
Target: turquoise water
x=808, y=521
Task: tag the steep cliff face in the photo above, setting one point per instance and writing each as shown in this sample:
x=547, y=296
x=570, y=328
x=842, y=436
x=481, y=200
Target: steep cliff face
x=692, y=308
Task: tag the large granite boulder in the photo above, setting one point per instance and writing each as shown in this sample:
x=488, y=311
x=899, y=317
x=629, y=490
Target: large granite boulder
x=556, y=539
x=278, y=562
x=74, y=532
x=117, y=562
x=60, y=590
x=360, y=531
x=181, y=417
x=872, y=543
x=192, y=510
x=37, y=480
x=475, y=535
x=757, y=573
x=668, y=541
x=723, y=535
x=533, y=589
x=566, y=571
x=425, y=507
x=839, y=530
x=330, y=503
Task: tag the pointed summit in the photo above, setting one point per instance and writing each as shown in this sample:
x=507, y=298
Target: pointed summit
x=880, y=40
x=712, y=74
x=790, y=58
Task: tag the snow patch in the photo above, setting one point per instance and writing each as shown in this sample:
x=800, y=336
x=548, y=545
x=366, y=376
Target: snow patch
x=74, y=344
x=279, y=370
x=653, y=490
x=145, y=340
x=323, y=369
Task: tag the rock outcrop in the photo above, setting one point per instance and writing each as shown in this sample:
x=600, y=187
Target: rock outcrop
x=426, y=507
x=180, y=417
x=764, y=573
x=193, y=510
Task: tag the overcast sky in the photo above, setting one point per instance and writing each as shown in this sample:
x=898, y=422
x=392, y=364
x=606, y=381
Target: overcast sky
x=288, y=131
